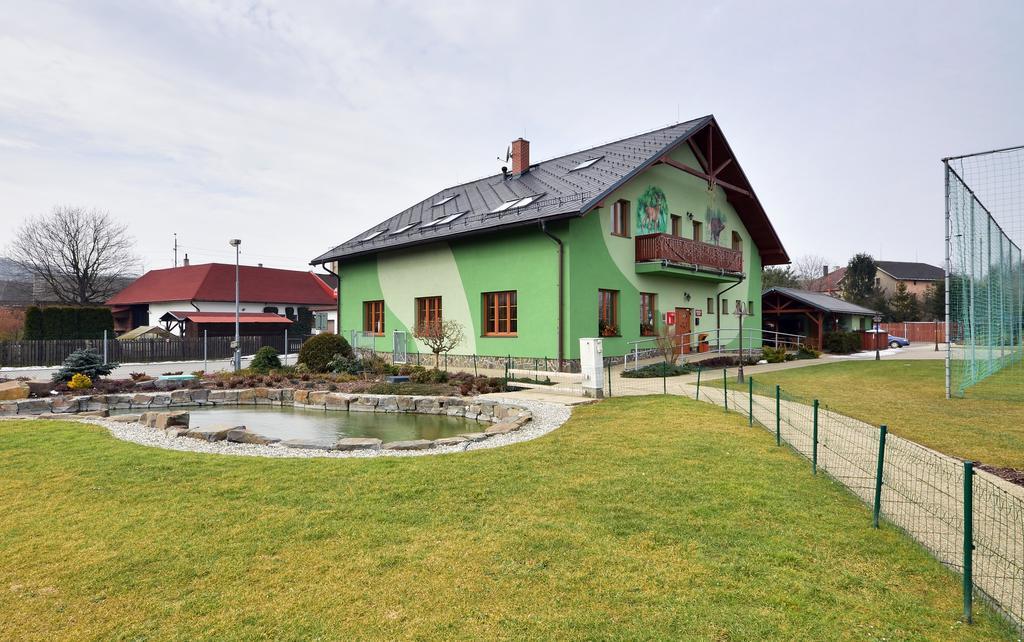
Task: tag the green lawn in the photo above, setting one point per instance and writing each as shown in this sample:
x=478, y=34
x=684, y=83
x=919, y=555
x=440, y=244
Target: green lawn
x=644, y=517
x=909, y=396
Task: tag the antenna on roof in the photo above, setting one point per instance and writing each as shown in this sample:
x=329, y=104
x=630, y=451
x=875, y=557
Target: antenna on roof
x=508, y=155
x=175, y=249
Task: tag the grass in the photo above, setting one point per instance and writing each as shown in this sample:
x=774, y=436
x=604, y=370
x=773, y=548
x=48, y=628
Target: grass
x=909, y=396
x=642, y=518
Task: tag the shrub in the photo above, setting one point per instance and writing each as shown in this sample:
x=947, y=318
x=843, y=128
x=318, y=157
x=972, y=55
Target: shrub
x=774, y=355
x=318, y=351
x=807, y=352
x=198, y=374
x=12, y=323
x=140, y=376
x=86, y=361
x=79, y=381
x=265, y=360
x=658, y=370
x=842, y=342
x=422, y=375
x=343, y=364
x=33, y=323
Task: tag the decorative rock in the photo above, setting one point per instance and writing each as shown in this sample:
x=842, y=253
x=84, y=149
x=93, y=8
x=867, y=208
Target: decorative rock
x=317, y=398
x=412, y=444
x=261, y=393
x=166, y=420
x=287, y=396
x=307, y=444
x=357, y=443
x=209, y=433
x=12, y=390
x=176, y=431
x=8, y=408
x=95, y=413
x=39, y=388
x=64, y=405
x=450, y=441
x=181, y=397
x=365, y=404
x=428, y=406
x=126, y=419
x=336, y=401
x=501, y=429
x=199, y=395
x=160, y=400
x=387, y=404
x=247, y=396
x=241, y=435
x=119, y=402
x=140, y=400
x=33, y=406
x=301, y=396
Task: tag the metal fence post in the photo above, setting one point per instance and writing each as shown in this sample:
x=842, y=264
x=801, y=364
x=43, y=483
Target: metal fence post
x=205, y=364
x=286, y=346
x=725, y=388
x=778, y=415
x=882, y=430
x=968, y=541
x=698, y=383
x=814, y=441
x=104, y=347
x=609, y=380
x=750, y=401
x=475, y=373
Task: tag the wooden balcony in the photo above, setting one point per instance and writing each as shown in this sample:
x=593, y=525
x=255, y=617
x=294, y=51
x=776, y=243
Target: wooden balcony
x=680, y=252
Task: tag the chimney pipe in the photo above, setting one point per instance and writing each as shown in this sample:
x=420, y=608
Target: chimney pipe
x=259, y=265
x=520, y=156
x=824, y=270
x=185, y=262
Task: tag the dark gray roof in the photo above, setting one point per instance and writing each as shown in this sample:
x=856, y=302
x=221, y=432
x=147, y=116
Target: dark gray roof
x=906, y=271
x=822, y=301
x=559, y=192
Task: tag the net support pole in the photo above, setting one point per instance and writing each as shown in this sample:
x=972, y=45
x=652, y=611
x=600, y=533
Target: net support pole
x=814, y=441
x=949, y=354
x=725, y=388
x=778, y=415
x=750, y=401
x=882, y=430
x=968, y=541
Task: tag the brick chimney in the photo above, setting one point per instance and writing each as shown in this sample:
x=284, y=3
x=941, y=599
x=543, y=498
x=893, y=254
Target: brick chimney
x=520, y=156
x=824, y=270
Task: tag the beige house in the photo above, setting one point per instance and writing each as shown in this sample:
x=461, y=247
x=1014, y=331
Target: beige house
x=916, y=276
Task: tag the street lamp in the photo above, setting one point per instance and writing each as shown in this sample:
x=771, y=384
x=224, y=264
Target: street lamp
x=877, y=319
x=237, y=344
x=740, y=312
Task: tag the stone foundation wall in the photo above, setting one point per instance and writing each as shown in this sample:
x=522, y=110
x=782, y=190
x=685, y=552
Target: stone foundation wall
x=101, y=405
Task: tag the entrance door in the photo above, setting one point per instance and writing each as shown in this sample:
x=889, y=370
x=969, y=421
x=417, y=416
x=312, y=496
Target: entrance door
x=684, y=328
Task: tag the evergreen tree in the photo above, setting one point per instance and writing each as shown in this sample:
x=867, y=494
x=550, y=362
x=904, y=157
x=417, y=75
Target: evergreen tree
x=935, y=302
x=33, y=323
x=903, y=305
x=859, y=282
x=778, y=277
x=86, y=361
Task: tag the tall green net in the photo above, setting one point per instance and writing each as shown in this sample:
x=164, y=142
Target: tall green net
x=985, y=283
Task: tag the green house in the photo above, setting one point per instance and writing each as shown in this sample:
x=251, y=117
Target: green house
x=653, y=233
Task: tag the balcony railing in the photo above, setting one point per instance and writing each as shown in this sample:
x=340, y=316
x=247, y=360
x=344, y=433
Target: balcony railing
x=676, y=249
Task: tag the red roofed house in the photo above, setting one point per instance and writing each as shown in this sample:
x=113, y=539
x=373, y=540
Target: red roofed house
x=190, y=298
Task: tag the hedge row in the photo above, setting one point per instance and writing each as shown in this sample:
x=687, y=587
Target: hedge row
x=59, y=322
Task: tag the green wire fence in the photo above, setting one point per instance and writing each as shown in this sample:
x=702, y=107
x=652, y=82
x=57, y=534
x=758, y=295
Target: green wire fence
x=971, y=521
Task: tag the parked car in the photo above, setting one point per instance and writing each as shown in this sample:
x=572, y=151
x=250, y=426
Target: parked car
x=894, y=341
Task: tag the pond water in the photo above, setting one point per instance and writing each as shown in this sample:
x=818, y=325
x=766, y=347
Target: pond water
x=328, y=425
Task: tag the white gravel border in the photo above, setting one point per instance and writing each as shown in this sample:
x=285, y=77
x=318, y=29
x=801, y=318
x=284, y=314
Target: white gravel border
x=546, y=418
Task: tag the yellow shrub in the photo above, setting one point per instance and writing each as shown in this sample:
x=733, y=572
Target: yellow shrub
x=80, y=382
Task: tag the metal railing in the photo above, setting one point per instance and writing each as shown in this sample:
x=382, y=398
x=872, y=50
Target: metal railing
x=716, y=340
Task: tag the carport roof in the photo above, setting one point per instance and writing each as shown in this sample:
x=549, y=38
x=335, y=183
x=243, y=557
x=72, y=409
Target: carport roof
x=822, y=301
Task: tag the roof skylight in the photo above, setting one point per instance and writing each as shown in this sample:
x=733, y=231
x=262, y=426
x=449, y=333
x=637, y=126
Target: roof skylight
x=372, y=235
x=450, y=217
x=587, y=163
x=404, y=228
x=506, y=205
x=432, y=223
x=444, y=200
x=523, y=202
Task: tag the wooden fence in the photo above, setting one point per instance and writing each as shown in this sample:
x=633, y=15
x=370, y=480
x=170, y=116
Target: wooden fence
x=917, y=331
x=52, y=352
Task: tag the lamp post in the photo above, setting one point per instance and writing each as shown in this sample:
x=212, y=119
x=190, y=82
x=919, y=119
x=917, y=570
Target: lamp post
x=740, y=312
x=877, y=319
x=237, y=344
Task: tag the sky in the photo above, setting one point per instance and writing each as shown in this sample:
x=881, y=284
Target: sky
x=296, y=125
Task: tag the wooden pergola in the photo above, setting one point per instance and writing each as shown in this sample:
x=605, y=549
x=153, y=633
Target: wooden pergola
x=776, y=304
x=823, y=313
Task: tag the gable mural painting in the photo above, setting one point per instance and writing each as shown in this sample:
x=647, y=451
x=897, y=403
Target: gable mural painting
x=652, y=211
x=715, y=219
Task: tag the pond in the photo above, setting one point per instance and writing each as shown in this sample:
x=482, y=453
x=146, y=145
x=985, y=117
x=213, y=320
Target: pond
x=283, y=422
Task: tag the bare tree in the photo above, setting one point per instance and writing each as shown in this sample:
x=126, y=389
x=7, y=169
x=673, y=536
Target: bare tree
x=440, y=336
x=670, y=344
x=809, y=267
x=81, y=255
